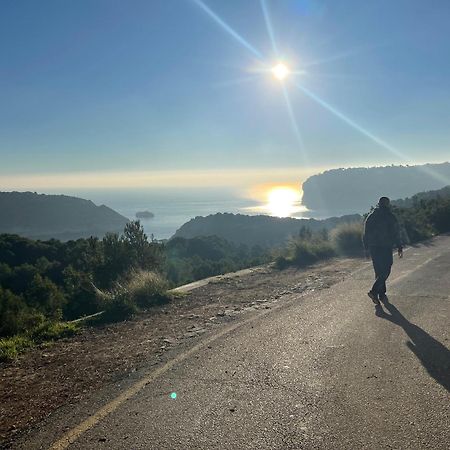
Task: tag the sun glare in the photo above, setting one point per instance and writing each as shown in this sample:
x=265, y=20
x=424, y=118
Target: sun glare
x=280, y=71
x=282, y=201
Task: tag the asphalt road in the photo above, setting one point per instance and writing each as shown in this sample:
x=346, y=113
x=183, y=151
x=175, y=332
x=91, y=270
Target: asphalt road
x=326, y=370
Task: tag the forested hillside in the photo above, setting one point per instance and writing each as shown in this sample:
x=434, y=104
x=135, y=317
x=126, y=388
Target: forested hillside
x=264, y=231
x=354, y=190
x=41, y=216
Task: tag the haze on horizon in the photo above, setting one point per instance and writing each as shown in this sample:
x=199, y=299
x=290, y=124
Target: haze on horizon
x=145, y=94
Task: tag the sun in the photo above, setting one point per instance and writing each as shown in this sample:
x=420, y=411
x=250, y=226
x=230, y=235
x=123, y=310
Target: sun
x=280, y=71
x=282, y=201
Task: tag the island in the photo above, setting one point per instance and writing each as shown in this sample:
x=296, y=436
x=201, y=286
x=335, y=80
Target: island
x=144, y=215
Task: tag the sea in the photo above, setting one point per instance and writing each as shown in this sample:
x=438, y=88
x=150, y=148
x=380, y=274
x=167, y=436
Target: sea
x=174, y=207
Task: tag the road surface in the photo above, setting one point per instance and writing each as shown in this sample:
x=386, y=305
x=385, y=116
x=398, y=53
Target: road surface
x=326, y=370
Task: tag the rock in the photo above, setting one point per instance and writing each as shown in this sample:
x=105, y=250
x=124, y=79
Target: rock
x=200, y=330
x=193, y=316
x=190, y=335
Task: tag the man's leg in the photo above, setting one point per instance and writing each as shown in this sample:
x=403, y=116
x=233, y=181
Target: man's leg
x=386, y=267
x=378, y=266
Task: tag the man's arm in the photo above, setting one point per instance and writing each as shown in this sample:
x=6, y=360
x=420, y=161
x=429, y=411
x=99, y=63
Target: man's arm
x=366, y=233
x=397, y=238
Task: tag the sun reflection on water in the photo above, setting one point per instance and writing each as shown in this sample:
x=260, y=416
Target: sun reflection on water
x=280, y=201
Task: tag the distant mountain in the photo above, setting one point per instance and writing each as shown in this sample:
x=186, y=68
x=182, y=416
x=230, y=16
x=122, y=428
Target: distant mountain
x=41, y=216
x=265, y=231
x=354, y=190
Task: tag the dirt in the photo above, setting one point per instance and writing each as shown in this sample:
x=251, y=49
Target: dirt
x=69, y=371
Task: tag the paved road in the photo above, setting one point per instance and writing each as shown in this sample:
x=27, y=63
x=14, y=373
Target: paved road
x=326, y=371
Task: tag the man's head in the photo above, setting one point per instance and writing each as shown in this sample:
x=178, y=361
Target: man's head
x=384, y=202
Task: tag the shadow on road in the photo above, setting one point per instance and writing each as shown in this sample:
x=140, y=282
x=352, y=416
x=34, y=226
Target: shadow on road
x=433, y=355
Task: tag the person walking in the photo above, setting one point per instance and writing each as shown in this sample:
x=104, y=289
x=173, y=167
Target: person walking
x=381, y=235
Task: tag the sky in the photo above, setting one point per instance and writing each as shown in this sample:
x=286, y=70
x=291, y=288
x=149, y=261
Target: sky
x=137, y=93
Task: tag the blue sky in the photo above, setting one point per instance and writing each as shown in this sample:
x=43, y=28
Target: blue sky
x=114, y=87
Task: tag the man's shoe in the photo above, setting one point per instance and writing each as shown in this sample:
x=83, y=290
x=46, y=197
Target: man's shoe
x=374, y=297
x=384, y=298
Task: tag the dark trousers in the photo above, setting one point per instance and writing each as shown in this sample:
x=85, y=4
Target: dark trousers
x=382, y=262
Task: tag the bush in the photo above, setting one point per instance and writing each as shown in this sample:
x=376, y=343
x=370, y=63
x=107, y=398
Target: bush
x=140, y=290
x=52, y=331
x=147, y=289
x=302, y=252
x=15, y=315
x=11, y=347
x=84, y=298
x=281, y=262
x=440, y=217
x=347, y=239
x=118, y=306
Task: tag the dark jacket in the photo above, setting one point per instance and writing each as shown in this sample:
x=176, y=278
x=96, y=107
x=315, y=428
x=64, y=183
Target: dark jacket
x=381, y=229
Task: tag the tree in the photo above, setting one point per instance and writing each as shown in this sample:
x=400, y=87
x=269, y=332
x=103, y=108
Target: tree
x=141, y=253
x=43, y=295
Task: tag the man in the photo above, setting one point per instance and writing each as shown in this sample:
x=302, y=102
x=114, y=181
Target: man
x=381, y=234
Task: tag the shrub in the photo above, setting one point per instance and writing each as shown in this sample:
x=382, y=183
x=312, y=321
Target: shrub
x=147, y=289
x=347, y=239
x=83, y=295
x=11, y=347
x=440, y=217
x=304, y=253
x=281, y=262
x=140, y=290
x=52, y=331
x=118, y=307
x=301, y=252
x=15, y=316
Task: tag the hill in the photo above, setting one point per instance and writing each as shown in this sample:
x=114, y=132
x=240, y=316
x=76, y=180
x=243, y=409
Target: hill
x=354, y=190
x=261, y=230
x=409, y=202
x=41, y=216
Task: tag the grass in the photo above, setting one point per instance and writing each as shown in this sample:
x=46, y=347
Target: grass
x=139, y=291
x=302, y=252
x=11, y=347
x=52, y=331
x=347, y=239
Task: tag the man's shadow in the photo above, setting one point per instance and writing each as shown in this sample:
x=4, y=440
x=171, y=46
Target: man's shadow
x=434, y=356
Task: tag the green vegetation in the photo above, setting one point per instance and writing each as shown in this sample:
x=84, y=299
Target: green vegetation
x=138, y=291
x=45, y=285
x=306, y=249
x=201, y=257
x=347, y=239
x=264, y=231
x=424, y=219
x=425, y=216
x=11, y=347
